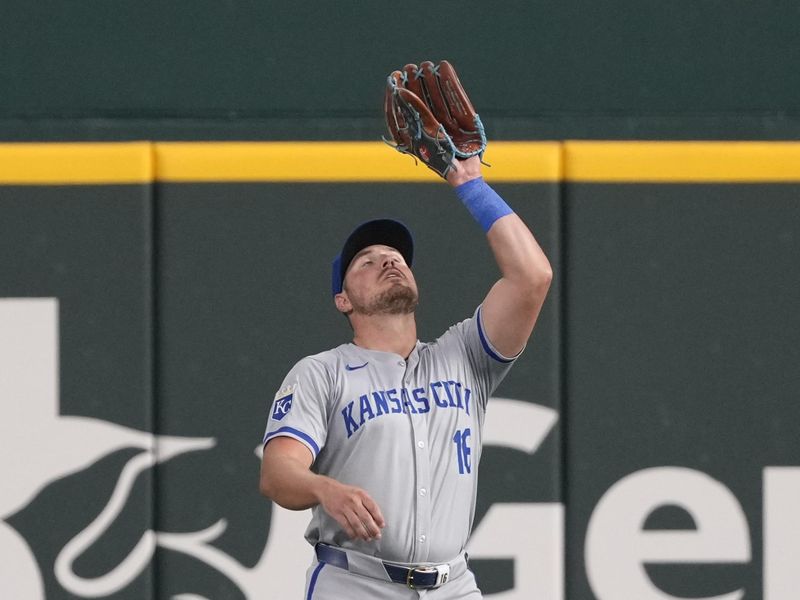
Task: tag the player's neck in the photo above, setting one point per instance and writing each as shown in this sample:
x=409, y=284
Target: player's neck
x=387, y=333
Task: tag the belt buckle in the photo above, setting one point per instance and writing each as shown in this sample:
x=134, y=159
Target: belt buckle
x=442, y=575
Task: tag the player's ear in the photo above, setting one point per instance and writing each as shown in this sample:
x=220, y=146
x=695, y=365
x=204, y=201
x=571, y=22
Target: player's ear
x=342, y=302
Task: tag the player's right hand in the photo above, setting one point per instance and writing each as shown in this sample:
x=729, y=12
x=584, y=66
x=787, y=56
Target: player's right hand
x=353, y=508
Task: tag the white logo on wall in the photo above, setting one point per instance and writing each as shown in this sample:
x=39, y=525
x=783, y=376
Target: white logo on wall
x=31, y=425
x=40, y=447
x=47, y=447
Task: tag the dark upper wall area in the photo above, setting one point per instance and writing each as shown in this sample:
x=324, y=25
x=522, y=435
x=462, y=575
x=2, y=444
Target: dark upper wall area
x=100, y=69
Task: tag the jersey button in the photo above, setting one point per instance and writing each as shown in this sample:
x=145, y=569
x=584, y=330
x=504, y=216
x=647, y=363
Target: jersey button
x=421, y=444
x=422, y=539
x=401, y=364
x=423, y=491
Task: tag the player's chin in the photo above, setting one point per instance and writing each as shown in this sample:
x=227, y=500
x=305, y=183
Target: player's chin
x=393, y=282
x=404, y=287
x=400, y=298
x=396, y=286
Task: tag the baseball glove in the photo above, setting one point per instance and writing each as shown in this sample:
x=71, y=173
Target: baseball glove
x=430, y=116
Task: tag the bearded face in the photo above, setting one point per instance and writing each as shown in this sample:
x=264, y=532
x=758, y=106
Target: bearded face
x=399, y=299
x=378, y=281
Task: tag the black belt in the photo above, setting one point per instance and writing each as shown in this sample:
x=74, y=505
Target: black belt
x=419, y=577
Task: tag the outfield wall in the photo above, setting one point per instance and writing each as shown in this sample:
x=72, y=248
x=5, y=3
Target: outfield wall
x=272, y=70
x=153, y=296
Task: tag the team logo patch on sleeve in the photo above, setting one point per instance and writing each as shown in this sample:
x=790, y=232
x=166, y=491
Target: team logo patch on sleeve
x=283, y=403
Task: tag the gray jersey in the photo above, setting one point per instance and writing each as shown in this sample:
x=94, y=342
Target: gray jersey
x=406, y=431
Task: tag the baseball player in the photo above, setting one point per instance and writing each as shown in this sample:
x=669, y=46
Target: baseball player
x=381, y=437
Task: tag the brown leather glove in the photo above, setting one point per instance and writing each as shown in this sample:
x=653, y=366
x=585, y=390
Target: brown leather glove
x=430, y=116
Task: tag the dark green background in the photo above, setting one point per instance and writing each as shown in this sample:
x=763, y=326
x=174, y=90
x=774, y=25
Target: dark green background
x=182, y=307
x=670, y=337
x=683, y=340
x=543, y=69
x=90, y=247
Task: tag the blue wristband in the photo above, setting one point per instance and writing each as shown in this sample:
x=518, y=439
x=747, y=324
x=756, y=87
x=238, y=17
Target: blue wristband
x=483, y=203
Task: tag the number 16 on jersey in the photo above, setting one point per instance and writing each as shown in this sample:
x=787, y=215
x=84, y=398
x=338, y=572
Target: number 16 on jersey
x=461, y=440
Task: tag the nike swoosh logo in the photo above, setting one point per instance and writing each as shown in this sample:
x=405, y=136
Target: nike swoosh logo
x=357, y=367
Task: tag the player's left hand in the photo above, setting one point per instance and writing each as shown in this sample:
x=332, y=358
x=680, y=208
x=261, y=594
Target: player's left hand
x=430, y=116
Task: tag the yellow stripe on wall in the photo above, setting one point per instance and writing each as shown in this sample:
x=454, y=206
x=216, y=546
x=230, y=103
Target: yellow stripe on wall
x=572, y=161
x=676, y=162
x=339, y=162
x=76, y=163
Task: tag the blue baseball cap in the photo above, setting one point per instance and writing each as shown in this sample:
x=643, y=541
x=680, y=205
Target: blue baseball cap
x=386, y=232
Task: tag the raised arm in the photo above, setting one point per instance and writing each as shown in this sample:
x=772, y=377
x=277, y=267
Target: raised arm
x=511, y=308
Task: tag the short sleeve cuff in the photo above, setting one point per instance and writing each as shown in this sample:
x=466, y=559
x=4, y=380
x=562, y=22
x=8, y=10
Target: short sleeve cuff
x=296, y=434
x=487, y=345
